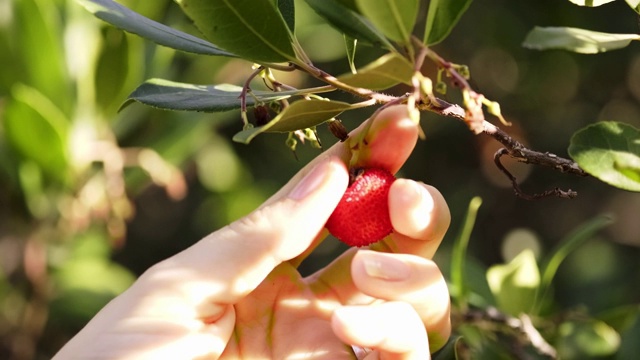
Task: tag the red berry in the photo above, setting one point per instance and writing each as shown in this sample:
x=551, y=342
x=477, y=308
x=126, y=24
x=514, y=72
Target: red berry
x=362, y=215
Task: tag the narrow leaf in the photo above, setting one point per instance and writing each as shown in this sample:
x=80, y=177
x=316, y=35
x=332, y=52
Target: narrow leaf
x=253, y=29
x=610, y=151
x=566, y=246
x=385, y=72
x=459, y=253
x=577, y=40
x=590, y=3
x=130, y=21
x=299, y=115
x=351, y=44
x=395, y=18
x=449, y=350
x=442, y=16
x=37, y=32
x=349, y=22
x=171, y=95
x=38, y=129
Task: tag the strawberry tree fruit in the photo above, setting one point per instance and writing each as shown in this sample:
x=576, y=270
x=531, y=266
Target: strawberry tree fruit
x=362, y=215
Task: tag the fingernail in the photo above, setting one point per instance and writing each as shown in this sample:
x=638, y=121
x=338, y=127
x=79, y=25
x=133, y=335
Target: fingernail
x=310, y=182
x=386, y=267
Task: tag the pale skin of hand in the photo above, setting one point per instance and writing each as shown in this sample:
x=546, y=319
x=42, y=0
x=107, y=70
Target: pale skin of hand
x=237, y=294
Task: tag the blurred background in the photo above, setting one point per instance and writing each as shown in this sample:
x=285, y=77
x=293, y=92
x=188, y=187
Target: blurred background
x=91, y=197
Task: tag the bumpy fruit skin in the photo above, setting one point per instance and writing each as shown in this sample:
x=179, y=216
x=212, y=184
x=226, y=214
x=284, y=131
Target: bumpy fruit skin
x=362, y=215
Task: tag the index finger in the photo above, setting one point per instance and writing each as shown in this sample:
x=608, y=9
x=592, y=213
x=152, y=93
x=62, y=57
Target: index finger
x=389, y=142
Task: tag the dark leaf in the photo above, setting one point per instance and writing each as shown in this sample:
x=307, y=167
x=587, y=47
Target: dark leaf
x=130, y=21
x=253, y=29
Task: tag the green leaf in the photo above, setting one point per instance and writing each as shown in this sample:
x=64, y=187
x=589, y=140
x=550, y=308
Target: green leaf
x=515, y=284
x=112, y=70
x=253, y=29
x=565, y=247
x=171, y=95
x=459, y=253
x=610, y=151
x=349, y=22
x=577, y=40
x=395, y=18
x=590, y=3
x=351, y=4
x=39, y=35
x=586, y=339
x=450, y=350
x=630, y=346
x=442, y=16
x=130, y=21
x=622, y=318
x=635, y=5
x=301, y=114
x=85, y=283
x=38, y=129
x=288, y=11
x=385, y=72
x=351, y=45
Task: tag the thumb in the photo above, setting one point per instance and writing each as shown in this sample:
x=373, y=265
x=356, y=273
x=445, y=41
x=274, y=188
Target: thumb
x=199, y=285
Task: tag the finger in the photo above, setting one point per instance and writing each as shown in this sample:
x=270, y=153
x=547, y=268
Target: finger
x=228, y=264
x=420, y=218
x=117, y=332
x=393, y=329
x=408, y=278
x=191, y=293
x=390, y=140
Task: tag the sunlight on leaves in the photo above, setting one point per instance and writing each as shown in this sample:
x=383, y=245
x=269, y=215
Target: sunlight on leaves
x=395, y=18
x=635, y=5
x=459, y=254
x=385, y=72
x=610, y=151
x=38, y=129
x=590, y=3
x=253, y=29
x=586, y=339
x=577, y=40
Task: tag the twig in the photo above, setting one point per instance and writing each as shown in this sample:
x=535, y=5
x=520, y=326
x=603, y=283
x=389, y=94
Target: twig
x=473, y=116
x=515, y=150
x=523, y=325
x=568, y=194
x=246, y=88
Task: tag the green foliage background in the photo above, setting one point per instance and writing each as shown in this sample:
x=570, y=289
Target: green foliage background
x=79, y=222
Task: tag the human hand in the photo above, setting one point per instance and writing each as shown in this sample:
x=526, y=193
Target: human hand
x=237, y=293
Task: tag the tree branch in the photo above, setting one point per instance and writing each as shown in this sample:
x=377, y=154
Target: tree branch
x=515, y=150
